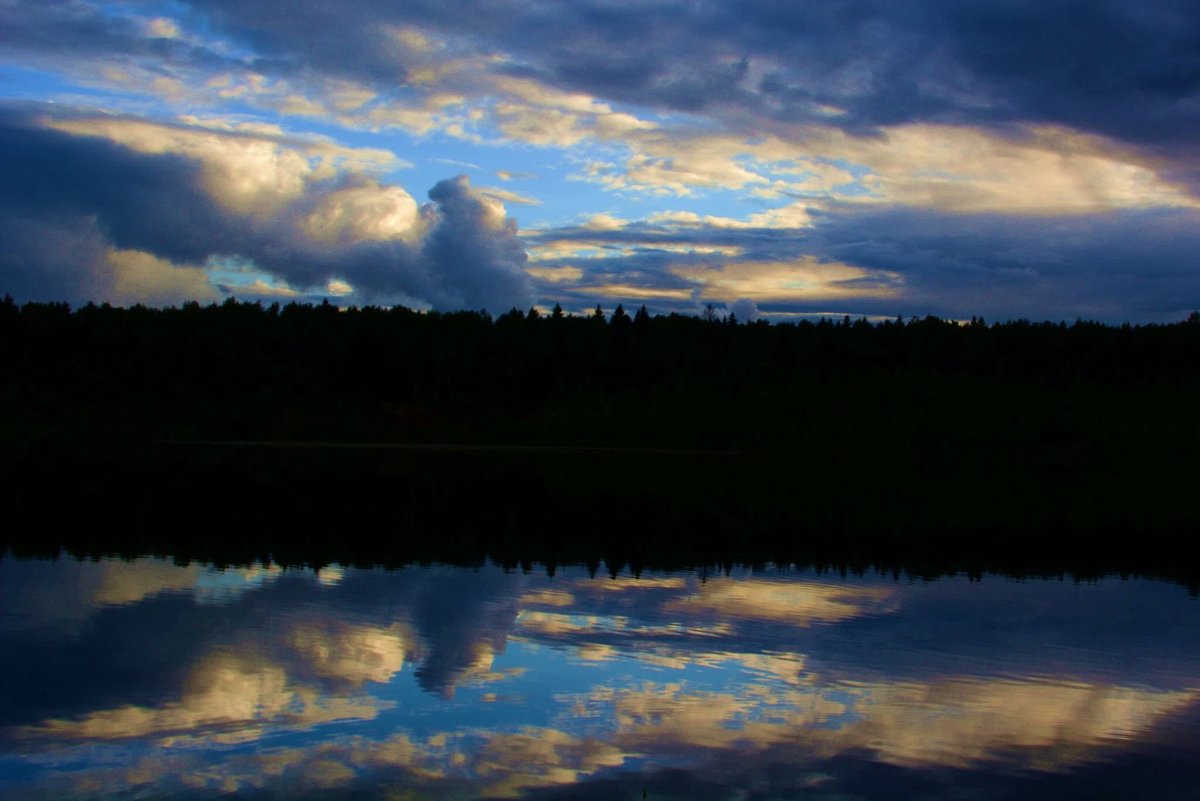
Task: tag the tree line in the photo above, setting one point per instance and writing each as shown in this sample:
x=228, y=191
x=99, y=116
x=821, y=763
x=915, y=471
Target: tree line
x=401, y=355
x=925, y=441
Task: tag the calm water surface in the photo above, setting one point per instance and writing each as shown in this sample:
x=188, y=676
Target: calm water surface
x=146, y=679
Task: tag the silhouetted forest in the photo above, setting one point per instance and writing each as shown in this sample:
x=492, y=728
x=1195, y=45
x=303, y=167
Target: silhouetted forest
x=626, y=437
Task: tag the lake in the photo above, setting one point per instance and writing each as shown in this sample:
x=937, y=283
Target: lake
x=151, y=679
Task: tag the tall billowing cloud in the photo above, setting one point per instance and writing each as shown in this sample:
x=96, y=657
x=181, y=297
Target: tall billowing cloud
x=126, y=210
x=474, y=244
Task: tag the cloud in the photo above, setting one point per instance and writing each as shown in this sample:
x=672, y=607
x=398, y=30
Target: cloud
x=1116, y=68
x=793, y=603
x=952, y=723
x=1035, y=170
x=352, y=653
x=362, y=211
x=473, y=243
x=140, y=277
x=250, y=170
x=802, y=279
x=744, y=309
x=536, y=114
x=225, y=696
x=109, y=208
x=1112, y=267
x=556, y=275
x=509, y=175
x=1018, y=169
x=881, y=259
x=511, y=763
x=508, y=196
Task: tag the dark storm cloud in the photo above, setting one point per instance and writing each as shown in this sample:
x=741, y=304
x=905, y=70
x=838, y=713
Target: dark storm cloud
x=50, y=33
x=1128, y=265
x=1115, y=67
x=68, y=200
x=47, y=26
x=51, y=175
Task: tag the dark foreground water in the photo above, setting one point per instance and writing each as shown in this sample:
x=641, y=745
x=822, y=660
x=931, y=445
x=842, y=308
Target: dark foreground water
x=149, y=680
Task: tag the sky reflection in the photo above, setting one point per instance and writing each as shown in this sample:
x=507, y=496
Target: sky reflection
x=151, y=679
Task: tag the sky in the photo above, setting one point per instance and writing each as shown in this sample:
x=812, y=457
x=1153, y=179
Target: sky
x=1004, y=158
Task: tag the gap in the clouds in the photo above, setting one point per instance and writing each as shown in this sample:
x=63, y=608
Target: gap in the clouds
x=27, y=83
x=241, y=278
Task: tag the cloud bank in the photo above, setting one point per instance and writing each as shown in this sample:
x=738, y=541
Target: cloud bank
x=126, y=210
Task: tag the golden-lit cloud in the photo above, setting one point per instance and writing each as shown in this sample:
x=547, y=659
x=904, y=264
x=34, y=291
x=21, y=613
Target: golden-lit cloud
x=263, y=288
x=556, y=275
x=328, y=765
x=474, y=667
x=659, y=719
x=635, y=292
x=537, y=114
x=363, y=213
x=508, y=196
x=1033, y=171
x=1040, y=170
x=793, y=215
x=1043, y=726
x=955, y=722
x=252, y=169
x=420, y=116
x=623, y=583
x=119, y=583
x=123, y=583
x=792, y=602
x=804, y=278
x=565, y=624
x=227, y=697
x=510, y=175
x=356, y=654
x=510, y=763
x=604, y=222
x=546, y=597
x=554, y=623
x=690, y=219
x=673, y=173
x=596, y=652
x=338, y=288
x=141, y=277
x=162, y=28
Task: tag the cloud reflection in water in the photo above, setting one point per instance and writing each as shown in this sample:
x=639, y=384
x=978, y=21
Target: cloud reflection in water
x=481, y=683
